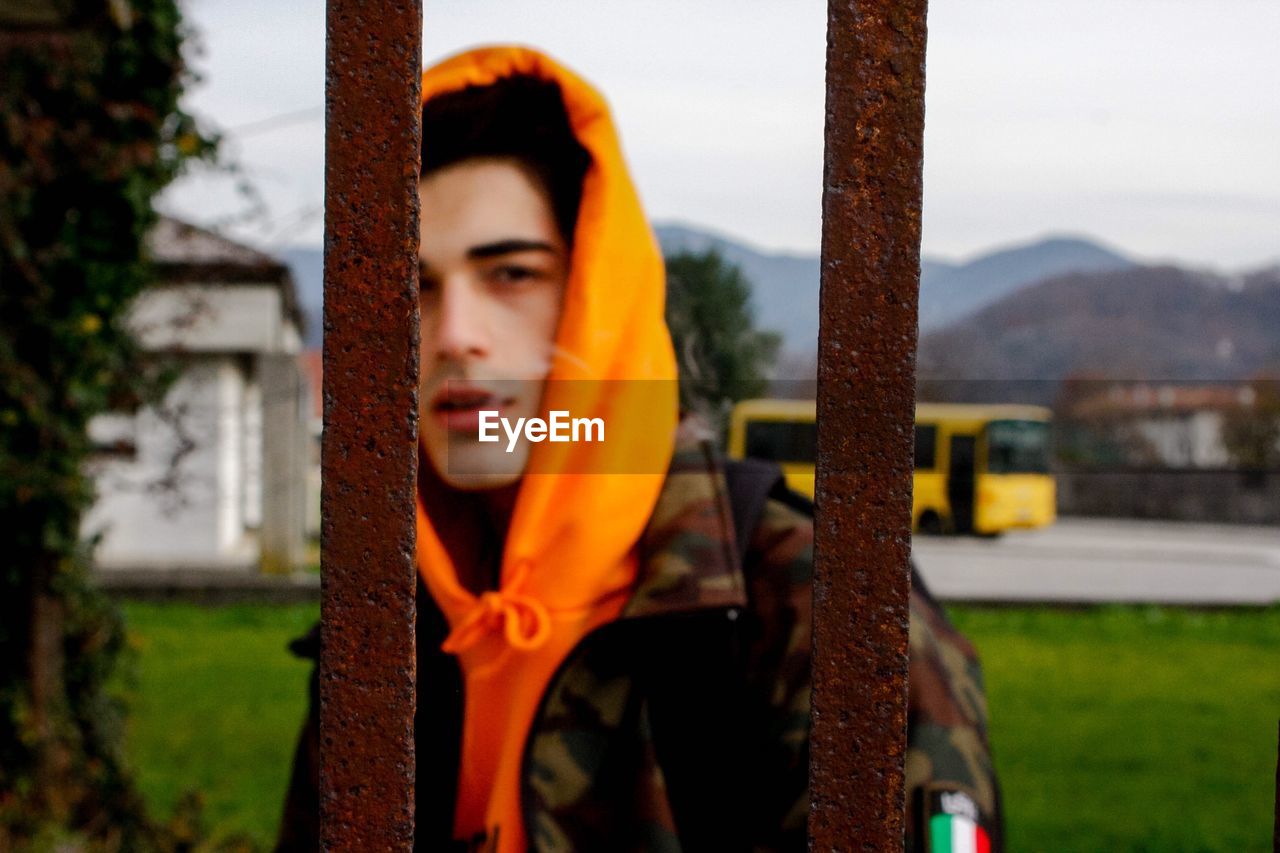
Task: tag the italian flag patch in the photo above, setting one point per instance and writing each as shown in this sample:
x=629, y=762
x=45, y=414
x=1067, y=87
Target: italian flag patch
x=954, y=827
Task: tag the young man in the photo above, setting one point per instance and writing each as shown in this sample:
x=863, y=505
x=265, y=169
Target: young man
x=613, y=646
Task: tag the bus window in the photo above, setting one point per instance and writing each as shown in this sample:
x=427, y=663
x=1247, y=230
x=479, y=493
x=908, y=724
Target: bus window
x=1018, y=447
x=783, y=441
x=1014, y=440
x=926, y=447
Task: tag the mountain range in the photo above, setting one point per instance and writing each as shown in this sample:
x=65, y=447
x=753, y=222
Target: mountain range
x=307, y=266
x=1152, y=322
x=786, y=284
x=1042, y=310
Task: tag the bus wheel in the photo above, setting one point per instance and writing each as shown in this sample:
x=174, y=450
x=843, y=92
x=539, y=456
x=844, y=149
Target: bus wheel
x=931, y=524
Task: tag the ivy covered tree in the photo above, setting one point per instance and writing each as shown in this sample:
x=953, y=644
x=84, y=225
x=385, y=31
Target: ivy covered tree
x=91, y=131
x=723, y=357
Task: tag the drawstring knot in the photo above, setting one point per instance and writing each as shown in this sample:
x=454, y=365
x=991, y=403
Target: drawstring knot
x=523, y=620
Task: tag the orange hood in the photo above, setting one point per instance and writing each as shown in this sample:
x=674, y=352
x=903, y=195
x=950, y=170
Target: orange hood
x=569, y=560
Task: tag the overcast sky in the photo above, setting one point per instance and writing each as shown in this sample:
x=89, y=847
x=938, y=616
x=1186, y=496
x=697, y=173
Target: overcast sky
x=1152, y=125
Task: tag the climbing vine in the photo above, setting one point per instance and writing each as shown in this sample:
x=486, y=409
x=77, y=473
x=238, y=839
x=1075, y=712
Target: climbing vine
x=91, y=130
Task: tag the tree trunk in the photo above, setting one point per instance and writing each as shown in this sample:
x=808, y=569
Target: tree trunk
x=48, y=696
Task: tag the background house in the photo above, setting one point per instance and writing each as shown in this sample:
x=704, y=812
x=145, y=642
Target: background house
x=1168, y=425
x=311, y=361
x=215, y=477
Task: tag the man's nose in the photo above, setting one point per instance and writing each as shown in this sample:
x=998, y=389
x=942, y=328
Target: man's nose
x=461, y=330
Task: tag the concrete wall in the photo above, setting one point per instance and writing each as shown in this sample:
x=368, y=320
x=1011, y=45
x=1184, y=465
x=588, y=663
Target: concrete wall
x=178, y=500
x=1249, y=497
x=234, y=424
x=285, y=451
x=214, y=318
x=218, y=477
x=1192, y=440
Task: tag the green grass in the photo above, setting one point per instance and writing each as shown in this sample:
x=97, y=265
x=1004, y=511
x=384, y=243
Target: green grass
x=1116, y=729
x=216, y=707
x=1137, y=729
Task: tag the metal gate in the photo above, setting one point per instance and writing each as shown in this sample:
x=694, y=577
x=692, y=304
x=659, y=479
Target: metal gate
x=866, y=393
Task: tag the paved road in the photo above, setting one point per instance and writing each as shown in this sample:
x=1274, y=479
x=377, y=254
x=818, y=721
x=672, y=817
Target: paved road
x=1096, y=560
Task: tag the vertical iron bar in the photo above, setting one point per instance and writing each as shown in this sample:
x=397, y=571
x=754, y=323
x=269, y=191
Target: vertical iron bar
x=369, y=455
x=866, y=410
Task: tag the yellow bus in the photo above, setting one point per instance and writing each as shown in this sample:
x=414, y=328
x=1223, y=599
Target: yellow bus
x=979, y=468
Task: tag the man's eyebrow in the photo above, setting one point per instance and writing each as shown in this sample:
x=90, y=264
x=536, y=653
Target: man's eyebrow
x=506, y=247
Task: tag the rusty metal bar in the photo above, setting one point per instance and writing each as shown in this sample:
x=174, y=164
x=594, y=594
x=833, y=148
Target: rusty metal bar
x=866, y=407
x=369, y=455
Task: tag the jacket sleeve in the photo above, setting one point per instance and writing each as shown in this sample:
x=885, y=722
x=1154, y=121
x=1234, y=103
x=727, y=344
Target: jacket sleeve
x=949, y=771
x=779, y=571
x=300, y=821
x=951, y=782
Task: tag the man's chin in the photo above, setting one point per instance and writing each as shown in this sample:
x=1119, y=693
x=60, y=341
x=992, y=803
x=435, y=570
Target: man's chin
x=478, y=469
x=480, y=482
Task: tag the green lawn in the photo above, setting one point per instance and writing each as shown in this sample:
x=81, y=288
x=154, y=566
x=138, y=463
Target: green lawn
x=216, y=707
x=1133, y=728
x=1136, y=729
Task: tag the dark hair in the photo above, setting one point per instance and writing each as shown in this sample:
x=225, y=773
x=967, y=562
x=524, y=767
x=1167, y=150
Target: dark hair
x=519, y=118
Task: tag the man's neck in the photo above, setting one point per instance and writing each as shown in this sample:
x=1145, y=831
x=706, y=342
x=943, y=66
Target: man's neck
x=499, y=505
x=483, y=571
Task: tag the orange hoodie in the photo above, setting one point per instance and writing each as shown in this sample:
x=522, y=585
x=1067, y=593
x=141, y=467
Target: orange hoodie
x=570, y=555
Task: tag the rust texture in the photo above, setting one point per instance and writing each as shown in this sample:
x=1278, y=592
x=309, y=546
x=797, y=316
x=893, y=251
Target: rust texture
x=866, y=408
x=369, y=454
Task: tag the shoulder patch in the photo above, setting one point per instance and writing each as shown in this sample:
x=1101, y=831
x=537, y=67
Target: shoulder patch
x=953, y=823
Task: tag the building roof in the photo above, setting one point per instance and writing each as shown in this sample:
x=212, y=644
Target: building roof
x=181, y=252
x=1142, y=398
x=806, y=410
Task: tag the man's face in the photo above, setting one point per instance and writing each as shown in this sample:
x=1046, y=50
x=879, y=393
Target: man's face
x=493, y=270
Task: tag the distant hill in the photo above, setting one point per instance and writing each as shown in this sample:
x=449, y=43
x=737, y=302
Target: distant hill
x=949, y=292
x=786, y=284
x=307, y=266
x=1162, y=322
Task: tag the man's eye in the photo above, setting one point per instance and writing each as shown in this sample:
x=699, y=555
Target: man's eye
x=512, y=274
x=428, y=284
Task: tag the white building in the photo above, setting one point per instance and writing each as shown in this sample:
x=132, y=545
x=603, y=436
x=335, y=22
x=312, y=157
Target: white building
x=215, y=477
x=1174, y=425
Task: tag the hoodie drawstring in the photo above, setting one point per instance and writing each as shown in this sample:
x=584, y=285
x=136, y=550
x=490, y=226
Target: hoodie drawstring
x=523, y=619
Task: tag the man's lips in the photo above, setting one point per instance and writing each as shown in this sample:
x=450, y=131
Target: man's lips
x=457, y=406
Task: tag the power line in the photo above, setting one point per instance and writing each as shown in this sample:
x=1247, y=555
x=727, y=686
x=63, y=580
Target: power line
x=277, y=121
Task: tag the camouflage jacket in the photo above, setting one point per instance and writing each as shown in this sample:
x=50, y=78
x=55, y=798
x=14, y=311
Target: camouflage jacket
x=684, y=724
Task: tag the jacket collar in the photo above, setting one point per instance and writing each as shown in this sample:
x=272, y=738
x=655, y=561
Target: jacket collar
x=688, y=558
